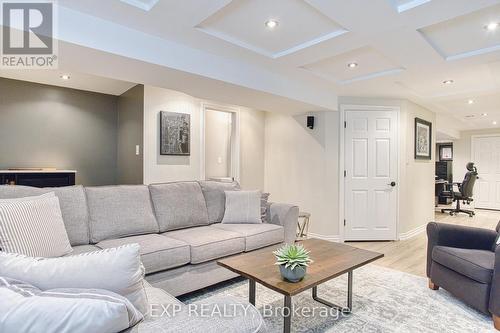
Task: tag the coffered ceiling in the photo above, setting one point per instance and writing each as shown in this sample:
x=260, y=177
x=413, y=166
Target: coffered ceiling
x=400, y=48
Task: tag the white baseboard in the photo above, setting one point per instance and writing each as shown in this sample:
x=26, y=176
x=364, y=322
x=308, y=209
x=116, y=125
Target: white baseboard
x=333, y=238
x=412, y=233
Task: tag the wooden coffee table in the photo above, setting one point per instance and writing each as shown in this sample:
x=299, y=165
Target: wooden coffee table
x=330, y=261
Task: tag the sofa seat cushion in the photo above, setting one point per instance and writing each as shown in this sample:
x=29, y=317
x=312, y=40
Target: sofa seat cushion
x=256, y=235
x=120, y=211
x=73, y=207
x=83, y=249
x=179, y=205
x=475, y=264
x=209, y=243
x=158, y=253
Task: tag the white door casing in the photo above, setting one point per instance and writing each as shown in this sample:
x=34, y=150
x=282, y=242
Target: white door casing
x=485, y=151
x=371, y=174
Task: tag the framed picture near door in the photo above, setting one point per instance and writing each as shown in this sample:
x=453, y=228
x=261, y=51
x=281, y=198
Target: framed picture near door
x=175, y=133
x=423, y=139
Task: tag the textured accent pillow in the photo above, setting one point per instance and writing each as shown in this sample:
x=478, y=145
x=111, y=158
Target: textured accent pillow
x=242, y=207
x=33, y=226
x=25, y=308
x=263, y=206
x=117, y=269
x=73, y=207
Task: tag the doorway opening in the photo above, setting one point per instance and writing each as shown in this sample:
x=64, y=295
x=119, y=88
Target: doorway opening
x=221, y=143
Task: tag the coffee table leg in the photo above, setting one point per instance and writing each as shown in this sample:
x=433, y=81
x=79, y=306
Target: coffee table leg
x=287, y=315
x=349, y=291
x=342, y=309
x=251, y=291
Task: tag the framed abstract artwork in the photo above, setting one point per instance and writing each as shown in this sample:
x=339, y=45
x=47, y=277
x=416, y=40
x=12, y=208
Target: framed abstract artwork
x=175, y=133
x=423, y=139
x=446, y=152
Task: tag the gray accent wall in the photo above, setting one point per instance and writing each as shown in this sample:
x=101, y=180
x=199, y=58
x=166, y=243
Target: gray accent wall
x=130, y=135
x=48, y=126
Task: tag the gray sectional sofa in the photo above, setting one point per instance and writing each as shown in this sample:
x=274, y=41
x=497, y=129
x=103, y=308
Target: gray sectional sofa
x=177, y=226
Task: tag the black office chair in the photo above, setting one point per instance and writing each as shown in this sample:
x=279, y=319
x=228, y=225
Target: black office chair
x=465, y=191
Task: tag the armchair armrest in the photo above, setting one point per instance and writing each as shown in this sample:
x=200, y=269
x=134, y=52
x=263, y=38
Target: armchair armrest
x=286, y=216
x=457, y=236
x=495, y=286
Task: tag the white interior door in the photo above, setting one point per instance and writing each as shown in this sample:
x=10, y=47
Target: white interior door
x=371, y=175
x=486, y=156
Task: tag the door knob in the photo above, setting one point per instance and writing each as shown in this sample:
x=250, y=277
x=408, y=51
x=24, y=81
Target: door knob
x=392, y=184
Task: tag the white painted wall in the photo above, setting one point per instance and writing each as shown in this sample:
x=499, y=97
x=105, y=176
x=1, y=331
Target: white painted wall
x=252, y=136
x=158, y=168
x=416, y=176
x=462, y=151
x=302, y=167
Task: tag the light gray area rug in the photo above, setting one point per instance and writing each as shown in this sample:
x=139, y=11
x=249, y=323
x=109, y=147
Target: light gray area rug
x=384, y=300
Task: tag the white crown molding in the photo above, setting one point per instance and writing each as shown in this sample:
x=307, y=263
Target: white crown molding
x=261, y=51
x=369, y=76
x=412, y=233
x=409, y=5
x=145, y=5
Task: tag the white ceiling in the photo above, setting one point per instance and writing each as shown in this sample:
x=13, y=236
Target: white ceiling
x=290, y=36
x=404, y=48
x=77, y=80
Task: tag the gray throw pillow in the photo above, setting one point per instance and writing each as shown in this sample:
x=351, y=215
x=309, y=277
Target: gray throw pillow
x=263, y=206
x=63, y=310
x=243, y=207
x=33, y=226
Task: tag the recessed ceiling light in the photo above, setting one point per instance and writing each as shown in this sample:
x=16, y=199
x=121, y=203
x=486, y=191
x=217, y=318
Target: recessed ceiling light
x=352, y=65
x=484, y=114
x=470, y=101
x=448, y=82
x=271, y=24
x=492, y=26
x=65, y=77
x=494, y=122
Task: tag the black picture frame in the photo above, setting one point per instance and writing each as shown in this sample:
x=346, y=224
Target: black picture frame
x=441, y=155
x=423, y=139
x=175, y=133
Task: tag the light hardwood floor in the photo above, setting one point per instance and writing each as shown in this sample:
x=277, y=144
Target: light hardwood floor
x=410, y=255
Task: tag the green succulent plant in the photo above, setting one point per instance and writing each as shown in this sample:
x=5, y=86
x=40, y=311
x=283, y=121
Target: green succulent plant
x=292, y=255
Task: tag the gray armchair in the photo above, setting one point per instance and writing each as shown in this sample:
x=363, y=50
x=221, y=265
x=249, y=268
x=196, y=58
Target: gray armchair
x=466, y=262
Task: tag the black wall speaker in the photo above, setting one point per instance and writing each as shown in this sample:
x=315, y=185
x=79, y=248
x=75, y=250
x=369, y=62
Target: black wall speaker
x=310, y=122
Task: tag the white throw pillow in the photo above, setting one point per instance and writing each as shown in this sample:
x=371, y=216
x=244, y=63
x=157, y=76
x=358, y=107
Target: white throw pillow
x=117, y=269
x=33, y=226
x=242, y=207
x=25, y=308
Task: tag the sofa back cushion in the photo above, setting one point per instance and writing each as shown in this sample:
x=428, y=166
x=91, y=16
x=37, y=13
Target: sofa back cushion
x=215, y=198
x=179, y=205
x=120, y=211
x=73, y=207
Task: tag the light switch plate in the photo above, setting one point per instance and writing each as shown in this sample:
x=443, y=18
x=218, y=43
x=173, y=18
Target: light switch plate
x=137, y=150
